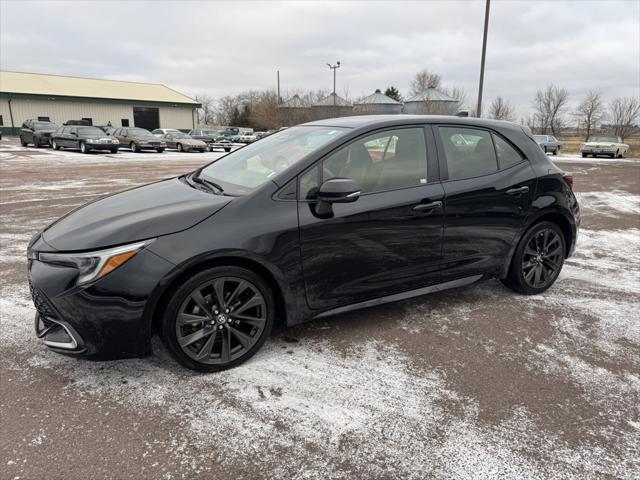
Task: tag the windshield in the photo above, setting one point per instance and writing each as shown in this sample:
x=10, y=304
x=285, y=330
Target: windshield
x=179, y=135
x=540, y=138
x=249, y=167
x=90, y=131
x=138, y=131
x=210, y=132
x=44, y=126
x=604, y=139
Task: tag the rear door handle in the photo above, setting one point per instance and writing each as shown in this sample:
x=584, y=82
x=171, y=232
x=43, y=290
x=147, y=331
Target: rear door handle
x=517, y=191
x=422, y=207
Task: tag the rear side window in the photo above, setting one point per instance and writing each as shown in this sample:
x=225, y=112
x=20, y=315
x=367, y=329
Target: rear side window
x=469, y=152
x=507, y=155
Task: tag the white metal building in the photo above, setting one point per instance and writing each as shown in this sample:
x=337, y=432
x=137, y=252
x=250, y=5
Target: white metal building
x=59, y=99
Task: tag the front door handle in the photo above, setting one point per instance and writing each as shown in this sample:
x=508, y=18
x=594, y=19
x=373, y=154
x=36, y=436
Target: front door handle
x=422, y=207
x=517, y=191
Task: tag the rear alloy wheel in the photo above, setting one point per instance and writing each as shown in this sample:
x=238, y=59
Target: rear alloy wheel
x=84, y=148
x=537, y=261
x=218, y=319
x=180, y=149
x=134, y=147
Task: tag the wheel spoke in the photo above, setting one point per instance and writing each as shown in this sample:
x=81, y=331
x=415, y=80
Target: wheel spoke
x=529, y=275
x=555, y=251
x=254, y=301
x=553, y=265
x=194, y=337
x=242, y=337
x=536, y=276
x=190, y=319
x=218, y=286
x=201, y=302
x=529, y=251
x=255, y=321
x=242, y=286
x=225, y=353
x=205, y=351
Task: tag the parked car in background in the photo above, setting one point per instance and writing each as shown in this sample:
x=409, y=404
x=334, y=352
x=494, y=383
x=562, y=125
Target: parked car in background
x=36, y=132
x=247, y=137
x=611, y=146
x=213, y=138
x=260, y=135
x=274, y=231
x=138, y=139
x=548, y=143
x=158, y=132
x=183, y=142
x=83, y=138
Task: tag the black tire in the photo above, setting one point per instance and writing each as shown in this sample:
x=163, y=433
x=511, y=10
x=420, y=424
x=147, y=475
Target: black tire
x=183, y=304
x=134, y=147
x=84, y=148
x=55, y=145
x=618, y=154
x=227, y=150
x=555, y=152
x=179, y=148
x=547, y=258
x=545, y=149
x=159, y=150
x=22, y=142
x=114, y=150
x=584, y=155
x=36, y=142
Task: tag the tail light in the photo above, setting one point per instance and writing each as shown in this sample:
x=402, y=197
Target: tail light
x=569, y=179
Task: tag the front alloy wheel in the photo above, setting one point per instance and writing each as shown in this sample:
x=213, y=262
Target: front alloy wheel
x=538, y=259
x=218, y=319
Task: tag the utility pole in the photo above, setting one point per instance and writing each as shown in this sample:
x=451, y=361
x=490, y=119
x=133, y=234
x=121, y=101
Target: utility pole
x=334, y=68
x=279, y=99
x=484, y=53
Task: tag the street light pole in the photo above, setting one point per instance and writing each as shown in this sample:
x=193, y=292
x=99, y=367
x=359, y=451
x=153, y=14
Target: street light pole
x=484, y=52
x=334, y=68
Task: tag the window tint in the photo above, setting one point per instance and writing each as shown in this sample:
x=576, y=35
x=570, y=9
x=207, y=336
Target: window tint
x=507, y=155
x=469, y=152
x=383, y=161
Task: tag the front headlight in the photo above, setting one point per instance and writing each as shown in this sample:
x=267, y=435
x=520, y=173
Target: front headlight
x=94, y=265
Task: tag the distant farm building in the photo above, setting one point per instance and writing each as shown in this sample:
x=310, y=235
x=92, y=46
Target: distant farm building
x=331, y=106
x=431, y=101
x=58, y=99
x=377, y=104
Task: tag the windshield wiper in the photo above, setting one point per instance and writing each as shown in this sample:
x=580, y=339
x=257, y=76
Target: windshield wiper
x=197, y=178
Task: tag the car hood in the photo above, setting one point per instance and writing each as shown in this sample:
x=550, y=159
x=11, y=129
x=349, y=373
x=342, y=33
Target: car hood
x=149, y=211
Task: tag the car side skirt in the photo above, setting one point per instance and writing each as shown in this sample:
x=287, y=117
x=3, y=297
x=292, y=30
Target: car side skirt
x=460, y=282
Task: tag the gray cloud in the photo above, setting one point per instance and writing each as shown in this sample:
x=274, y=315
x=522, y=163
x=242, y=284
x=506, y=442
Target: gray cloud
x=222, y=48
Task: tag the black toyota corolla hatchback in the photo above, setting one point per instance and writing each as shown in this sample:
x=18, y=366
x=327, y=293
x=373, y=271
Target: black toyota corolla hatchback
x=314, y=220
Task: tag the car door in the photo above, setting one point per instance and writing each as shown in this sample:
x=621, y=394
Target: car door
x=488, y=191
x=170, y=140
x=73, y=139
x=390, y=239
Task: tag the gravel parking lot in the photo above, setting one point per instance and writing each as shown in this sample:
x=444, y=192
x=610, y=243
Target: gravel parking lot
x=471, y=383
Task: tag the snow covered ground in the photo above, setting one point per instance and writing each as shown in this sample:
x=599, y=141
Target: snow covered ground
x=470, y=383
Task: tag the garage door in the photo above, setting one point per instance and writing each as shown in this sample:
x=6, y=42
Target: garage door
x=146, y=117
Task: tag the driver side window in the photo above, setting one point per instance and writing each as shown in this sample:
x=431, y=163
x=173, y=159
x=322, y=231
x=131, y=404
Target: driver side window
x=380, y=162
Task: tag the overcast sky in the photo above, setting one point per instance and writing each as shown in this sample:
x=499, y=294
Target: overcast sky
x=222, y=48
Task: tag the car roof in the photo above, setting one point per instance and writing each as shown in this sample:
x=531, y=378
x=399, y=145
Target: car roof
x=362, y=121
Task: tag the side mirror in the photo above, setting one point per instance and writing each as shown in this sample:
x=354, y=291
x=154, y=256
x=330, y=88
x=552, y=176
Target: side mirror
x=339, y=190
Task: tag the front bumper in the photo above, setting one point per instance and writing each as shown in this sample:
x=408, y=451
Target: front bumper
x=598, y=150
x=105, y=319
x=103, y=146
x=151, y=146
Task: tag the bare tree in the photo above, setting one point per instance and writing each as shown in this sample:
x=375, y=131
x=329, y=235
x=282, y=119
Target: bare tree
x=624, y=113
x=459, y=94
x=226, y=110
x=550, y=105
x=207, y=111
x=501, y=109
x=590, y=112
x=422, y=80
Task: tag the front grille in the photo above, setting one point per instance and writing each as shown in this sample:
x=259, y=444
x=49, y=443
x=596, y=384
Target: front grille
x=40, y=303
